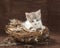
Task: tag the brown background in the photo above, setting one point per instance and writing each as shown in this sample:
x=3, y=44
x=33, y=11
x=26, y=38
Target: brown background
x=16, y=8
x=54, y=14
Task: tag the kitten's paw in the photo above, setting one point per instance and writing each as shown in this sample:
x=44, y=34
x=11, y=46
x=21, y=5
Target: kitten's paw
x=43, y=27
x=32, y=29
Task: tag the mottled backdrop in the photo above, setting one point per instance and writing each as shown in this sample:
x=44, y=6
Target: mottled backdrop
x=16, y=9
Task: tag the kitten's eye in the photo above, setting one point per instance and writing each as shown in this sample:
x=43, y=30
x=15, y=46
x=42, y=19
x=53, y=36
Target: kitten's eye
x=37, y=20
x=31, y=27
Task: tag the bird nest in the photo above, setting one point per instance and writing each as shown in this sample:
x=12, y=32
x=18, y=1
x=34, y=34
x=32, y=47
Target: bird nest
x=24, y=36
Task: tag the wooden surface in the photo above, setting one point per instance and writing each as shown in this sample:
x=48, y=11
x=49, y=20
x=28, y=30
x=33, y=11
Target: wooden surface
x=54, y=43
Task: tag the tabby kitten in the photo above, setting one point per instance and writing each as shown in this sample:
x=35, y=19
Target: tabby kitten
x=33, y=21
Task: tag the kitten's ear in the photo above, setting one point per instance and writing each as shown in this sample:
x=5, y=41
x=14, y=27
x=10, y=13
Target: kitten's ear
x=27, y=15
x=39, y=11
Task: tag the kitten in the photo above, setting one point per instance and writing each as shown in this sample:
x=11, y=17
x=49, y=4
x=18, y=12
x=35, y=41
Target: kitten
x=33, y=21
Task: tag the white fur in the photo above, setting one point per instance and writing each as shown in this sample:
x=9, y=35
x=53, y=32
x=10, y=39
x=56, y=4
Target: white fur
x=35, y=24
x=27, y=24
